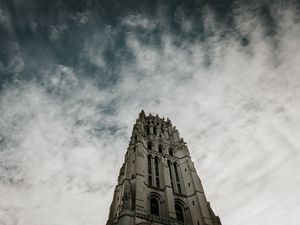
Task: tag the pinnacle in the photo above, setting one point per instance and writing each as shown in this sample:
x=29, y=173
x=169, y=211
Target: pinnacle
x=142, y=113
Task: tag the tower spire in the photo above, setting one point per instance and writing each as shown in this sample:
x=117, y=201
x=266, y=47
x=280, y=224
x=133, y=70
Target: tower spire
x=142, y=113
x=158, y=183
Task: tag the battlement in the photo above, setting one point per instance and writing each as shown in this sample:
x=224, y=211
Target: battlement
x=154, y=119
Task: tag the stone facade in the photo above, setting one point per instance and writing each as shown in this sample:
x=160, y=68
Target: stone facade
x=158, y=183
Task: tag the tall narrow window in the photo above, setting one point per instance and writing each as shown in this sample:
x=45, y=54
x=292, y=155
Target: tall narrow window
x=171, y=177
x=147, y=128
x=149, y=165
x=154, y=130
x=156, y=162
x=154, y=207
x=133, y=203
x=149, y=146
x=169, y=165
x=177, y=179
x=156, y=166
x=157, y=182
x=179, y=212
x=150, y=180
x=171, y=152
x=160, y=149
x=179, y=188
x=176, y=172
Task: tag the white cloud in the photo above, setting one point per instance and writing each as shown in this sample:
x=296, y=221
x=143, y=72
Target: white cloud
x=135, y=21
x=242, y=125
x=50, y=151
x=95, y=46
x=240, y=118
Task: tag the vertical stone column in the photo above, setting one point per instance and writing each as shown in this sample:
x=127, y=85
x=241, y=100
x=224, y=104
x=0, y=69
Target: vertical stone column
x=141, y=161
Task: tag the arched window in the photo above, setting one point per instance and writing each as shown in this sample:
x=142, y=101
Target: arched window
x=154, y=207
x=154, y=130
x=171, y=152
x=149, y=146
x=179, y=212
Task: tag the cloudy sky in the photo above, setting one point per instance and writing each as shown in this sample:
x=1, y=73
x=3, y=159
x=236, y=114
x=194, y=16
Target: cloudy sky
x=75, y=74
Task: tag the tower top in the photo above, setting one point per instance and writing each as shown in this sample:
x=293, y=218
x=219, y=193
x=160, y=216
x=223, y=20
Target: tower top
x=154, y=119
x=158, y=183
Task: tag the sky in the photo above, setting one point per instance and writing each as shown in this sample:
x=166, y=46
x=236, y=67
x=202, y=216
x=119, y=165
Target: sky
x=74, y=76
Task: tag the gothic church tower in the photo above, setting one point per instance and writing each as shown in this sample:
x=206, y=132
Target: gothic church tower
x=158, y=183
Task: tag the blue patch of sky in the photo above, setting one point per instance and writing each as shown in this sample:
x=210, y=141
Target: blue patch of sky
x=30, y=24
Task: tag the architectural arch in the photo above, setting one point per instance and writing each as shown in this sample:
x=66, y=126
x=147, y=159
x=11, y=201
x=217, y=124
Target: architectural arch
x=156, y=195
x=155, y=204
x=181, y=210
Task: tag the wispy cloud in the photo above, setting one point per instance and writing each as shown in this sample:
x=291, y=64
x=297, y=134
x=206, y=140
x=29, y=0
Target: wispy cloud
x=234, y=96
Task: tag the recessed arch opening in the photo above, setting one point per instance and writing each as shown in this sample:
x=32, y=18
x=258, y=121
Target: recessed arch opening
x=154, y=207
x=179, y=212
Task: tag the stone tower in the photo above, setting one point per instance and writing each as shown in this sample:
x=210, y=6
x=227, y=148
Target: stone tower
x=158, y=183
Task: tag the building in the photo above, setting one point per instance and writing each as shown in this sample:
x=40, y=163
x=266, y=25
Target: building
x=158, y=183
